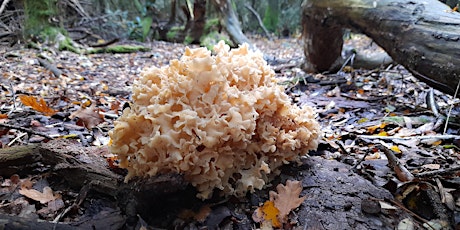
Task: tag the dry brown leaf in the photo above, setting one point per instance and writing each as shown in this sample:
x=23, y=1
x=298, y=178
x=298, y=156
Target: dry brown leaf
x=203, y=213
x=287, y=198
x=43, y=197
x=38, y=105
x=88, y=117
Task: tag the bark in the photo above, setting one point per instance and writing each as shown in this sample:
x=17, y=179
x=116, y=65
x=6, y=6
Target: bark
x=86, y=172
x=195, y=26
x=422, y=36
x=230, y=22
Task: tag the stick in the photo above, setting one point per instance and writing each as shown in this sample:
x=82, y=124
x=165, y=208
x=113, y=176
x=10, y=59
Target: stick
x=450, y=109
x=401, y=172
x=50, y=67
x=438, y=172
x=261, y=24
x=441, y=137
x=5, y=2
x=27, y=130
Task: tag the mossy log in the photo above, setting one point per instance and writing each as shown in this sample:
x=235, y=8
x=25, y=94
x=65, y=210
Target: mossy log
x=118, y=49
x=423, y=36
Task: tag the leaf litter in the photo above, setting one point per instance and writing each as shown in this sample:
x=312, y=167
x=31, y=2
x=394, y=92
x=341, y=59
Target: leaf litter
x=365, y=115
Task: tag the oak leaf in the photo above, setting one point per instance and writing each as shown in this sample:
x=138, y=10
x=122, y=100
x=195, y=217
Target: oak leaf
x=287, y=198
x=88, y=117
x=43, y=197
x=37, y=104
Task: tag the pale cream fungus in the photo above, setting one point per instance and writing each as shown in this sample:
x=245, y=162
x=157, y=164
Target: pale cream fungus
x=221, y=120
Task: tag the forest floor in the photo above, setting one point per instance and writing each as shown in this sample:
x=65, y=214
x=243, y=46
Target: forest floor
x=387, y=159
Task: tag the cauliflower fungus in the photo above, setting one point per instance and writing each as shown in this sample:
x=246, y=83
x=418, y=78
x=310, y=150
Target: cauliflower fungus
x=221, y=120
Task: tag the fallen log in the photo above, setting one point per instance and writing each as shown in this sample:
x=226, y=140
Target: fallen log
x=423, y=36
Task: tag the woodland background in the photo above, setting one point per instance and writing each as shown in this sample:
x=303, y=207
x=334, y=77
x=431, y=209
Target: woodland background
x=140, y=20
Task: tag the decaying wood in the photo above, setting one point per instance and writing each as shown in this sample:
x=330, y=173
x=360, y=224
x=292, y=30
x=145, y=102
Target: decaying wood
x=86, y=171
x=423, y=36
x=103, y=220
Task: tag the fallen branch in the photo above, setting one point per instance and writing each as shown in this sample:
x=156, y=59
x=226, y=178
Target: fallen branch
x=113, y=41
x=56, y=72
x=5, y=2
x=261, y=24
x=27, y=130
x=422, y=36
x=118, y=49
x=402, y=173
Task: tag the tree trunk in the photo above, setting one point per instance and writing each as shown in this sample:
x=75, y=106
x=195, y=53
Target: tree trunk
x=230, y=22
x=422, y=36
x=271, y=16
x=38, y=17
x=195, y=26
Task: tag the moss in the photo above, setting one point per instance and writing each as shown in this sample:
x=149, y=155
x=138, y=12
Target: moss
x=211, y=39
x=67, y=44
x=188, y=40
x=271, y=18
x=38, y=13
x=211, y=25
x=172, y=33
x=50, y=33
x=119, y=49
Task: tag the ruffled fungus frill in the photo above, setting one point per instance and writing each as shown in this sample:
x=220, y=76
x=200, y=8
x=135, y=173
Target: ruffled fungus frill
x=221, y=120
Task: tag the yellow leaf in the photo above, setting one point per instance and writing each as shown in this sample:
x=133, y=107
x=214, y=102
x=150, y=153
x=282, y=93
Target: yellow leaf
x=271, y=213
x=436, y=143
x=372, y=129
x=362, y=120
x=395, y=148
x=37, y=105
x=383, y=133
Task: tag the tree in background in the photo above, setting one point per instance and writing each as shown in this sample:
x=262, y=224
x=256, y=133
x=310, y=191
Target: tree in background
x=271, y=16
x=40, y=17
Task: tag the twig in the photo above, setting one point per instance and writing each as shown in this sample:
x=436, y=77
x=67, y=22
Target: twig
x=16, y=138
x=344, y=151
x=5, y=2
x=438, y=172
x=261, y=24
x=360, y=160
x=77, y=7
x=431, y=103
x=425, y=221
x=27, y=130
x=450, y=109
x=401, y=172
x=440, y=137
